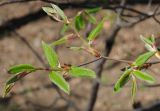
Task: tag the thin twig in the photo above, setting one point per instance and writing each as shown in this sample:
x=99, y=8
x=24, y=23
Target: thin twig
x=90, y=62
x=95, y=87
x=108, y=47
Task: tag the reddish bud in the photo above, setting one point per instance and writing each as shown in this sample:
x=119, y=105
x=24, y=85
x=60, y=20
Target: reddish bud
x=66, y=67
x=93, y=51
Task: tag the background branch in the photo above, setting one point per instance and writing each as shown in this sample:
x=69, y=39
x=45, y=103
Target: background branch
x=99, y=68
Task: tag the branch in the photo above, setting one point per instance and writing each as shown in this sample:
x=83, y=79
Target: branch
x=95, y=87
x=79, y=5
x=131, y=2
x=16, y=23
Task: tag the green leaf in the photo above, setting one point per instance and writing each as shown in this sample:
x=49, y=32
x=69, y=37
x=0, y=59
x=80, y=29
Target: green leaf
x=144, y=76
x=134, y=88
x=64, y=29
x=122, y=80
x=61, y=40
x=57, y=79
x=81, y=72
x=93, y=10
x=75, y=48
x=79, y=22
x=16, y=77
x=60, y=12
x=149, y=40
x=21, y=68
x=149, y=48
x=143, y=58
x=49, y=10
x=50, y=55
x=7, y=89
x=94, y=33
x=152, y=38
x=91, y=18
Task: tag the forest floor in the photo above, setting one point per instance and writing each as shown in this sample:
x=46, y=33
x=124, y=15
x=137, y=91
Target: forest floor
x=14, y=51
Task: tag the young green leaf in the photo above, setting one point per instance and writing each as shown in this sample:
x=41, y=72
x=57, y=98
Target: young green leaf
x=61, y=40
x=93, y=10
x=149, y=40
x=144, y=76
x=143, y=58
x=60, y=12
x=64, y=29
x=152, y=39
x=7, y=89
x=75, y=48
x=79, y=22
x=49, y=10
x=57, y=79
x=149, y=48
x=94, y=33
x=17, y=77
x=21, y=68
x=81, y=72
x=50, y=55
x=134, y=88
x=123, y=80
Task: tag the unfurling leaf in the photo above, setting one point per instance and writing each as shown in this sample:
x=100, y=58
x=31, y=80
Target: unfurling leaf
x=143, y=58
x=149, y=40
x=21, y=68
x=49, y=10
x=75, y=48
x=51, y=55
x=149, y=48
x=10, y=83
x=94, y=33
x=58, y=80
x=20, y=71
x=56, y=13
x=79, y=22
x=7, y=89
x=62, y=40
x=123, y=80
x=60, y=13
x=144, y=76
x=134, y=88
x=17, y=77
x=81, y=72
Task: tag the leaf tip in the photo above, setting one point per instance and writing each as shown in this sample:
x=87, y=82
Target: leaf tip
x=116, y=90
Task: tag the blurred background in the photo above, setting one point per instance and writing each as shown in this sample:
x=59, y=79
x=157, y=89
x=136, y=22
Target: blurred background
x=24, y=25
